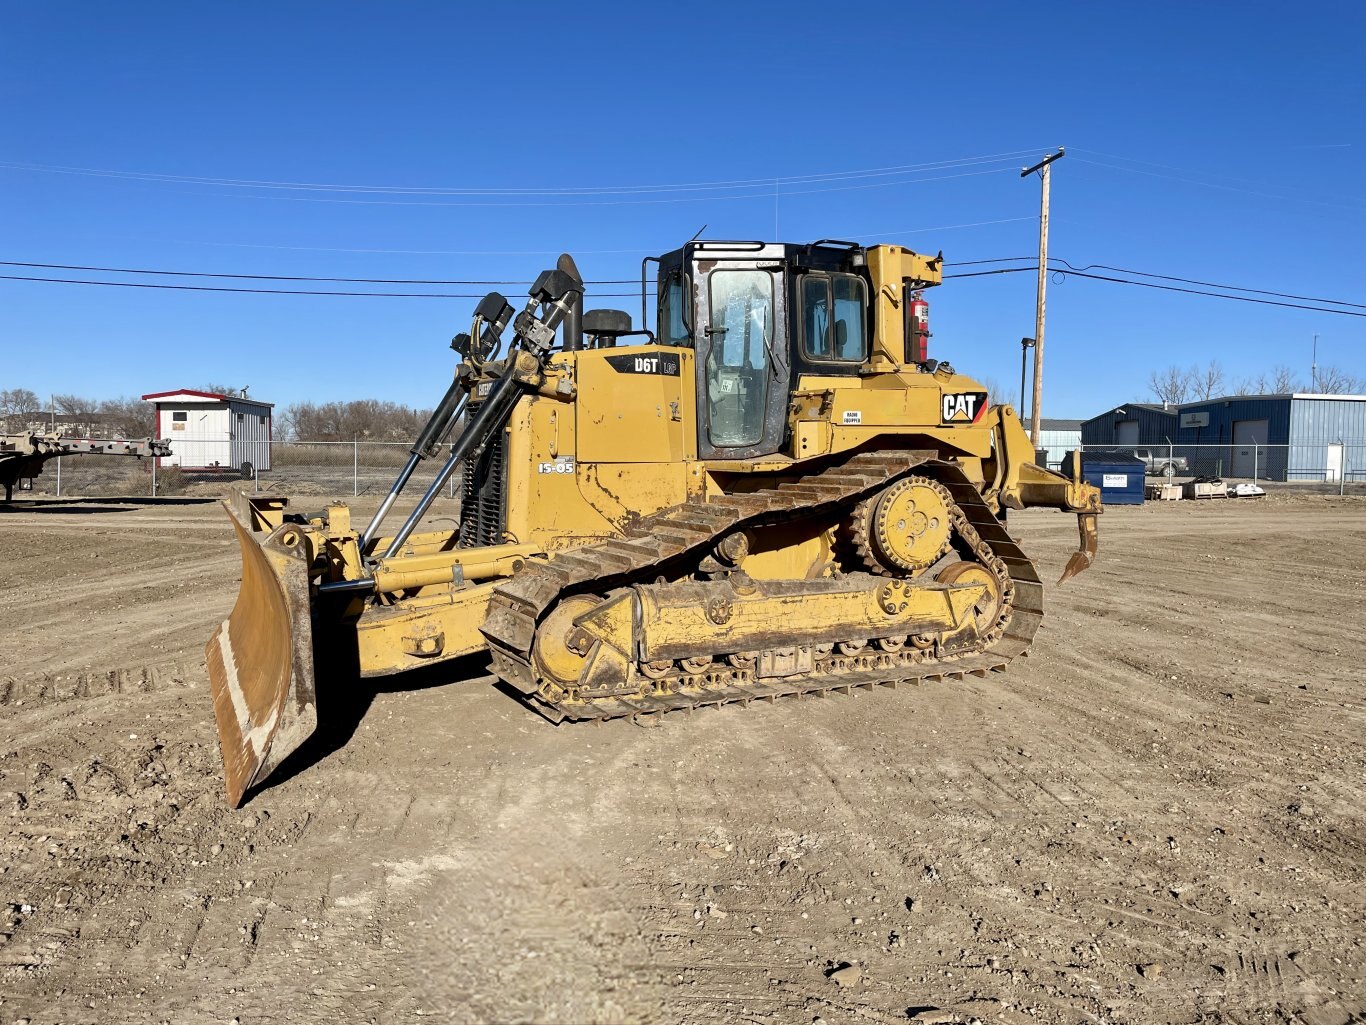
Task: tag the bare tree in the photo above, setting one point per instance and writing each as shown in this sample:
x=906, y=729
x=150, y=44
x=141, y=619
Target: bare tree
x=1170, y=385
x=1335, y=381
x=17, y=400
x=1250, y=385
x=996, y=395
x=1207, y=383
x=128, y=417
x=76, y=405
x=1283, y=380
x=366, y=419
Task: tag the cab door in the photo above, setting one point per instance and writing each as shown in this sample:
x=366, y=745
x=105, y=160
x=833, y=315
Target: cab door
x=743, y=364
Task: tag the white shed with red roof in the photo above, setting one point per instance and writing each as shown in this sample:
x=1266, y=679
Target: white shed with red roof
x=209, y=431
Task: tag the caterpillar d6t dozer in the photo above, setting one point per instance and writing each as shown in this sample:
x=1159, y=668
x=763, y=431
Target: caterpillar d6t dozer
x=775, y=493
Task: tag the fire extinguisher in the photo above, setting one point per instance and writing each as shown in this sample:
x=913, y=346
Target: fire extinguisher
x=917, y=329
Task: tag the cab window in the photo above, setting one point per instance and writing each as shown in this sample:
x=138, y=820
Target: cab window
x=673, y=313
x=834, y=318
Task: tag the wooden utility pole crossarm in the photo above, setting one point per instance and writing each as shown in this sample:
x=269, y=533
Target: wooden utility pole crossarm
x=1043, y=167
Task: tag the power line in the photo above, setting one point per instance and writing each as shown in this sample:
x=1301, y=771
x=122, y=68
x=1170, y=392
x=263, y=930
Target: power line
x=630, y=202
x=1066, y=270
x=1213, y=295
x=757, y=183
x=1207, y=284
x=531, y=252
x=999, y=259
x=1227, y=188
x=396, y=252
x=283, y=277
x=276, y=291
x=366, y=281
x=987, y=273
x=940, y=227
x=1204, y=174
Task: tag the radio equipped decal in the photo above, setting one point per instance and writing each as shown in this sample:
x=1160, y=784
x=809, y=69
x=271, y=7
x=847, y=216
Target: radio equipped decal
x=663, y=365
x=963, y=407
x=851, y=417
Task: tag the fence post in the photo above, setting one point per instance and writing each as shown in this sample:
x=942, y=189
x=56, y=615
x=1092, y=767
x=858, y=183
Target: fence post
x=1254, y=462
x=355, y=465
x=59, y=476
x=256, y=478
x=154, y=476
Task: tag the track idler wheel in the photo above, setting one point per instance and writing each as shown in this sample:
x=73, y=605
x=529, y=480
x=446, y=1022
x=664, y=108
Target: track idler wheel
x=561, y=648
x=988, y=607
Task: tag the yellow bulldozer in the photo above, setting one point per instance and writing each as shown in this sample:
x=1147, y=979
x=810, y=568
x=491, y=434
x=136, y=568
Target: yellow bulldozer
x=775, y=492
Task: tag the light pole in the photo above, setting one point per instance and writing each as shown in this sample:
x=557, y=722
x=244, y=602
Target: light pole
x=1043, y=167
x=1025, y=345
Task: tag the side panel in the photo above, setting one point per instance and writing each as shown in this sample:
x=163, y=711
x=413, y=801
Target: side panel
x=204, y=441
x=544, y=506
x=558, y=498
x=1314, y=425
x=835, y=414
x=621, y=492
x=249, y=425
x=633, y=406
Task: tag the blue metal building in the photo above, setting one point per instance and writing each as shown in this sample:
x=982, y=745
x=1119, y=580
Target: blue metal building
x=1276, y=437
x=1059, y=437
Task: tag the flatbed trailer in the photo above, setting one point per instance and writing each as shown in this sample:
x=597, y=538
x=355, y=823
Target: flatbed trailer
x=22, y=455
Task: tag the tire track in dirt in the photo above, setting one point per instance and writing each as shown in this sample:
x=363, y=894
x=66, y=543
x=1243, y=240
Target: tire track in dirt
x=1098, y=834
x=47, y=687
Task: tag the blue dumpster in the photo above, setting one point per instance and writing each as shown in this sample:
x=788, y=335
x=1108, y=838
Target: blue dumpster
x=1119, y=475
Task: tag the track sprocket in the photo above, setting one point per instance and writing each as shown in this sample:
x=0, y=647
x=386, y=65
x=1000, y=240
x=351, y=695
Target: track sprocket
x=902, y=529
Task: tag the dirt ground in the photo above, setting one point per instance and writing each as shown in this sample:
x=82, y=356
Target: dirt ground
x=1159, y=817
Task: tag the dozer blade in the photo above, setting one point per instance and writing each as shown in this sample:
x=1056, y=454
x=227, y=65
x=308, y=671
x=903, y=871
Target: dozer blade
x=261, y=660
x=1086, y=550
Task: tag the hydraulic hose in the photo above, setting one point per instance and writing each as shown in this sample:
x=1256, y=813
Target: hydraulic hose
x=492, y=415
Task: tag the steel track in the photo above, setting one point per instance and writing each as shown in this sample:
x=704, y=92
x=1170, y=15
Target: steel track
x=669, y=538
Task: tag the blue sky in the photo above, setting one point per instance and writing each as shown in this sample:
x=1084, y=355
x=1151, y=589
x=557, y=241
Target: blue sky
x=1219, y=141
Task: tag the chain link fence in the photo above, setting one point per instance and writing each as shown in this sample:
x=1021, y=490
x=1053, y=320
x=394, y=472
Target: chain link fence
x=332, y=469
x=336, y=469
x=1336, y=463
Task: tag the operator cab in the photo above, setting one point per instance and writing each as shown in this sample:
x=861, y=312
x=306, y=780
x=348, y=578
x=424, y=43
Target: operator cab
x=759, y=314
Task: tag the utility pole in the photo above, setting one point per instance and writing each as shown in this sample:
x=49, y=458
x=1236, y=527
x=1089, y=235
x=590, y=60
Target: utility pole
x=1043, y=167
